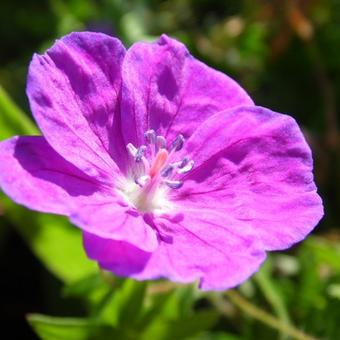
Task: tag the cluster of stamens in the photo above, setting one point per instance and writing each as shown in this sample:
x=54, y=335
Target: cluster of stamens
x=152, y=170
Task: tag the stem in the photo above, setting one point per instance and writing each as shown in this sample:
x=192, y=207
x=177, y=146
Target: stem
x=271, y=294
x=260, y=315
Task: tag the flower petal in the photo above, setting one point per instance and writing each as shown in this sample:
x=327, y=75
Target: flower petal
x=73, y=90
x=121, y=257
x=166, y=89
x=113, y=219
x=34, y=175
x=195, y=244
x=255, y=165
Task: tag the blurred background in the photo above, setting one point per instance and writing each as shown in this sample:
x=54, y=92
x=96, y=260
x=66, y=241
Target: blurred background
x=286, y=54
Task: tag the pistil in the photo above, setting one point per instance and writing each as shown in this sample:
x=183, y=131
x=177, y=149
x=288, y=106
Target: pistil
x=159, y=162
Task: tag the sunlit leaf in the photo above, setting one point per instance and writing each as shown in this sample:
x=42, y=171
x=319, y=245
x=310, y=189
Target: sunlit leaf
x=13, y=121
x=53, y=328
x=325, y=251
x=334, y=290
x=56, y=328
x=134, y=30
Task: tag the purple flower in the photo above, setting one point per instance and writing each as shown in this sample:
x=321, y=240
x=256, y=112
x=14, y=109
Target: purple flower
x=166, y=165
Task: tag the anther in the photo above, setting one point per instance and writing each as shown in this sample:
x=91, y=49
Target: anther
x=188, y=167
x=173, y=184
x=167, y=170
x=183, y=163
x=160, y=142
x=177, y=143
x=140, y=153
x=150, y=136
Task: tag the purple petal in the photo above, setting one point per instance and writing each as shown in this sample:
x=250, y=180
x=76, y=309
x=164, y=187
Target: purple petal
x=113, y=219
x=121, y=257
x=166, y=89
x=73, y=90
x=255, y=165
x=34, y=175
x=195, y=244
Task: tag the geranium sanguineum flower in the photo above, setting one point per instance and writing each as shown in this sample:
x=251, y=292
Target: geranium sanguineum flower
x=166, y=165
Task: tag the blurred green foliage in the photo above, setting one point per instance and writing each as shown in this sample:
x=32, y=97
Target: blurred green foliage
x=286, y=53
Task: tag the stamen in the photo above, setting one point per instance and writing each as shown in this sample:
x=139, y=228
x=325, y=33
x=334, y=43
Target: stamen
x=150, y=136
x=131, y=149
x=160, y=142
x=177, y=143
x=159, y=162
x=184, y=162
x=166, y=171
x=140, y=153
x=141, y=181
x=173, y=184
x=188, y=167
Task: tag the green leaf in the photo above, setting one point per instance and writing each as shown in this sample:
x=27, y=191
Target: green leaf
x=271, y=292
x=132, y=25
x=13, y=121
x=189, y=326
x=85, y=286
x=310, y=292
x=182, y=328
x=56, y=243
x=56, y=328
x=164, y=308
x=334, y=290
x=157, y=304
x=179, y=303
x=125, y=305
x=216, y=336
x=131, y=300
x=324, y=251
